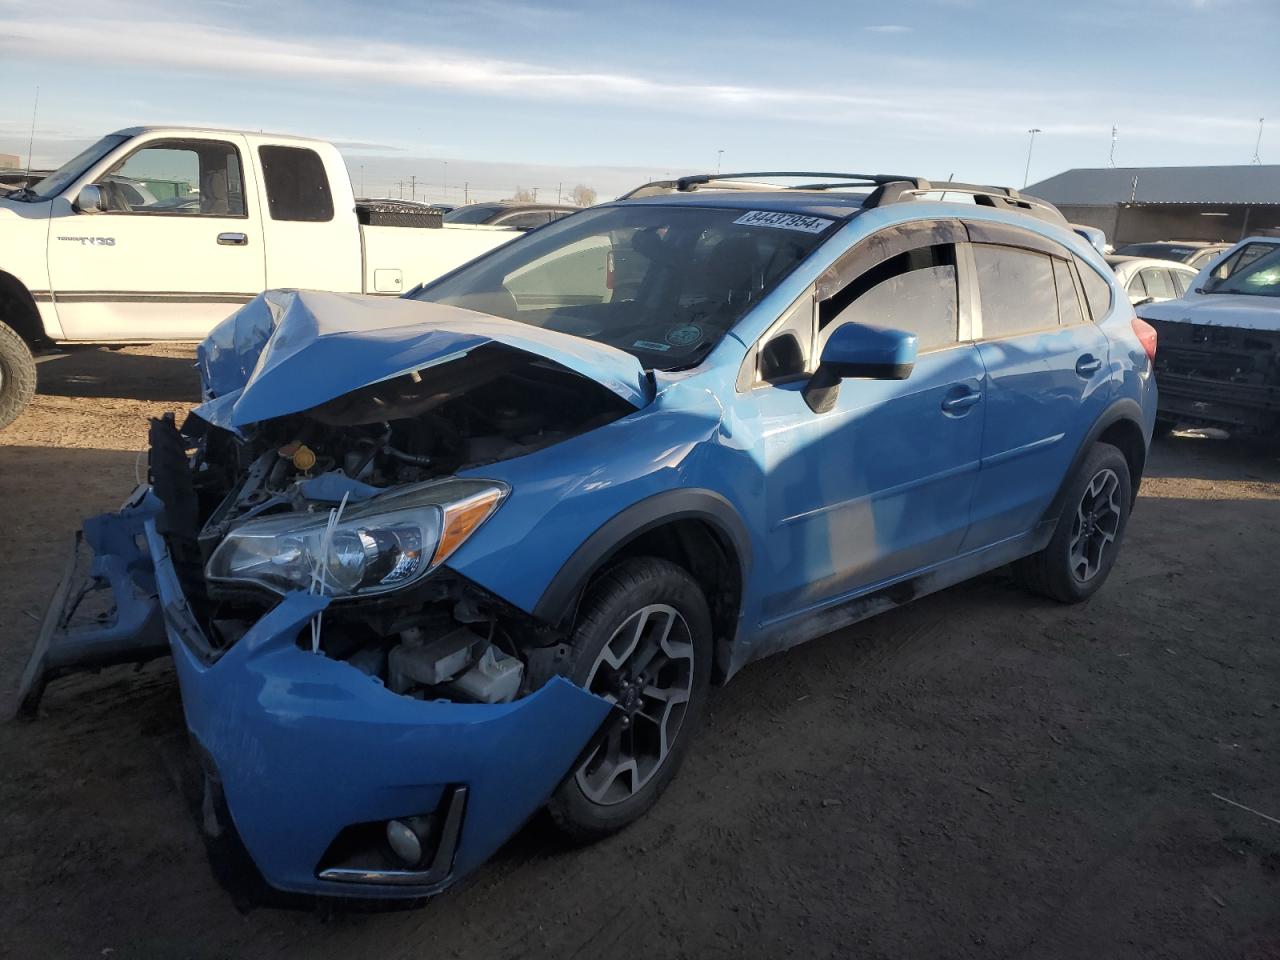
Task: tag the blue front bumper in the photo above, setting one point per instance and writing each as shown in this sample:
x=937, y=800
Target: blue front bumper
x=305, y=746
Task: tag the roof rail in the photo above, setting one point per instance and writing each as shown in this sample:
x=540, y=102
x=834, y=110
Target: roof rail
x=1006, y=198
x=743, y=181
x=888, y=188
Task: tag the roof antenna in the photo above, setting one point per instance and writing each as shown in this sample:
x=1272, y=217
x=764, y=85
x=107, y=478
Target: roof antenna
x=34, y=107
x=1115, y=135
x=1257, y=147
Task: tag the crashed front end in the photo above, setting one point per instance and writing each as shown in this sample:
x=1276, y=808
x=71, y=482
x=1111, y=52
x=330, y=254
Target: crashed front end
x=371, y=723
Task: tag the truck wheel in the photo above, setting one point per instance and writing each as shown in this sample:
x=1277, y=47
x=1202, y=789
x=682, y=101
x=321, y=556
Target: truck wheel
x=1086, y=541
x=17, y=375
x=643, y=642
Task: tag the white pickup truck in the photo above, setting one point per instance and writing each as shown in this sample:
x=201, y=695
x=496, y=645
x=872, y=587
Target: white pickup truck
x=157, y=233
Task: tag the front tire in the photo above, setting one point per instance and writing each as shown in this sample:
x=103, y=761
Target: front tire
x=17, y=375
x=1086, y=541
x=643, y=642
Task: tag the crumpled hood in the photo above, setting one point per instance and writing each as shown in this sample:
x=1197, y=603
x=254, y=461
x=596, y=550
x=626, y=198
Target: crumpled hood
x=290, y=350
x=1241, y=311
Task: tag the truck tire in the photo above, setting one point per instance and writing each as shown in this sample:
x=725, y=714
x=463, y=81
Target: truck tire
x=17, y=375
x=643, y=642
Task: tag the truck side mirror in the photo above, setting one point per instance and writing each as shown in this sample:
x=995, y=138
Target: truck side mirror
x=854, y=350
x=91, y=199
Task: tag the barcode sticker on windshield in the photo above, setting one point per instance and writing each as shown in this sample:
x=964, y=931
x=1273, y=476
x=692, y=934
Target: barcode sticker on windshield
x=784, y=221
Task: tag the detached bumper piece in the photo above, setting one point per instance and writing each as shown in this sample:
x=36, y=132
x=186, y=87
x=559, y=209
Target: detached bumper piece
x=119, y=584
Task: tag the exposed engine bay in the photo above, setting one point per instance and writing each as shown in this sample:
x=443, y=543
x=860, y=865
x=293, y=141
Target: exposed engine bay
x=357, y=499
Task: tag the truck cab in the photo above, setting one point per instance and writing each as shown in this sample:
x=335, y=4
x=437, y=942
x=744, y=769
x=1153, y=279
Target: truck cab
x=157, y=233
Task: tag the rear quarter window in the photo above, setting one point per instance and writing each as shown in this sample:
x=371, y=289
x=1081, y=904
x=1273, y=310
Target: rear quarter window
x=297, y=187
x=1097, y=290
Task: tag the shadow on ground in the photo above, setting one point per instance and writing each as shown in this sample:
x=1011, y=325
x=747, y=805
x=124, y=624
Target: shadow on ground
x=124, y=372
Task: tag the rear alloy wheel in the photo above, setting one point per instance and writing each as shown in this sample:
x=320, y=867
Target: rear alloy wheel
x=643, y=644
x=1086, y=541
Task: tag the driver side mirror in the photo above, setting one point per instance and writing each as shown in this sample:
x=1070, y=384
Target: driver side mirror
x=91, y=199
x=854, y=350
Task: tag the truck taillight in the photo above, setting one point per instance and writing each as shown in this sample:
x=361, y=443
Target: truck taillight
x=608, y=270
x=1147, y=336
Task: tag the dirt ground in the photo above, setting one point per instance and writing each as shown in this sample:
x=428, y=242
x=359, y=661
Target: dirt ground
x=978, y=774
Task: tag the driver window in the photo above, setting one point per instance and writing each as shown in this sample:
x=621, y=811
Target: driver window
x=913, y=291
x=186, y=178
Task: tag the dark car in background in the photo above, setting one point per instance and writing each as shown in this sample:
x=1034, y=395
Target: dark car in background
x=522, y=216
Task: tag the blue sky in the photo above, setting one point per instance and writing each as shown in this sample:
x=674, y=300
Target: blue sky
x=551, y=91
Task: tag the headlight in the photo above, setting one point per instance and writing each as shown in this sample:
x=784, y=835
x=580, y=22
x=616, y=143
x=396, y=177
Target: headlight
x=382, y=544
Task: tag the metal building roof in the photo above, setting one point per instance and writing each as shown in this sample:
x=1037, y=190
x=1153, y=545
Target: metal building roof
x=1252, y=185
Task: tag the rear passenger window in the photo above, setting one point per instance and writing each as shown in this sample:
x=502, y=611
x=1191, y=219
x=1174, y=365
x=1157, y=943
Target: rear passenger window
x=1017, y=291
x=1097, y=291
x=913, y=291
x=297, y=188
x=1069, y=309
x=1159, y=287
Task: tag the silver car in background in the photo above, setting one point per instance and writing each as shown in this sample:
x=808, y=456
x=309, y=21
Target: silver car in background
x=1148, y=280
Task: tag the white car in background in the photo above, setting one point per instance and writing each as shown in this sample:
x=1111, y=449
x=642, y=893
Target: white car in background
x=1218, y=357
x=1147, y=280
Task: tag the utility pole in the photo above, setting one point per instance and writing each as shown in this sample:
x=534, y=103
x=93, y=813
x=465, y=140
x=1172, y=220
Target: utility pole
x=1027, y=173
x=1111, y=162
x=31, y=141
x=362, y=179
x=559, y=190
x=466, y=192
x=413, y=188
x=1257, y=147
x=445, y=189
x=535, y=194
x=719, y=157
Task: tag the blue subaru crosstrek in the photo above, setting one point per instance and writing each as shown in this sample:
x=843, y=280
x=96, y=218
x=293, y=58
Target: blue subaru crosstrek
x=428, y=565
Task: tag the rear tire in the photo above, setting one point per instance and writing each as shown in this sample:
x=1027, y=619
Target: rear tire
x=17, y=375
x=643, y=641
x=1086, y=541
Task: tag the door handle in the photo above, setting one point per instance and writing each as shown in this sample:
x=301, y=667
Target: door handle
x=233, y=239
x=958, y=404
x=1088, y=365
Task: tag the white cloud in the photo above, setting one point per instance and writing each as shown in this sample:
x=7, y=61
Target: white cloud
x=888, y=28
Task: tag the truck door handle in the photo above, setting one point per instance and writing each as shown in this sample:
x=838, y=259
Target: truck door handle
x=1088, y=365
x=233, y=239
x=960, y=402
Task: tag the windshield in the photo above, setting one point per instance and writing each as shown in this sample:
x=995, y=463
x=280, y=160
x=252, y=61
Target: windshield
x=57, y=181
x=1255, y=271
x=476, y=213
x=663, y=283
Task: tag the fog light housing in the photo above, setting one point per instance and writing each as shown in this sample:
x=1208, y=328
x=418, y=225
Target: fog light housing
x=404, y=841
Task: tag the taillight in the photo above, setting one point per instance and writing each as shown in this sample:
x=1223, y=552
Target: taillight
x=608, y=270
x=1147, y=336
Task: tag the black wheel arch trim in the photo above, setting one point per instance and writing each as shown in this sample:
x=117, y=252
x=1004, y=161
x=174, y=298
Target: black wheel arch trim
x=1125, y=408
x=559, y=601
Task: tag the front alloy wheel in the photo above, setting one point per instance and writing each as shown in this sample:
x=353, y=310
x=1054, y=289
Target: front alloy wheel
x=643, y=644
x=646, y=671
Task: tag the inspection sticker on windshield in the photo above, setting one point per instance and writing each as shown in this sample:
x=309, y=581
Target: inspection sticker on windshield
x=784, y=221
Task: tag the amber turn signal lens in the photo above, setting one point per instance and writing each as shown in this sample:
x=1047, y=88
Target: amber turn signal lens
x=461, y=520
